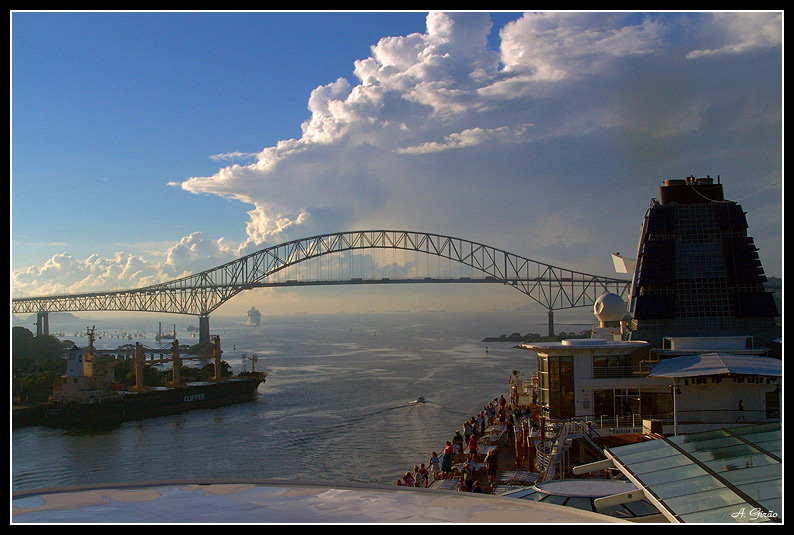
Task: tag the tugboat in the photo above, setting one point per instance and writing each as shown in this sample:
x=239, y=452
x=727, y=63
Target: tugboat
x=89, y=397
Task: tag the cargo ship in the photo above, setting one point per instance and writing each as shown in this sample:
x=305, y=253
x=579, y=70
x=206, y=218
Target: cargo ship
x=88, y=396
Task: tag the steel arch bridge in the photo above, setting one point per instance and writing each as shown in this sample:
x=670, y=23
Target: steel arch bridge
x=553, y=288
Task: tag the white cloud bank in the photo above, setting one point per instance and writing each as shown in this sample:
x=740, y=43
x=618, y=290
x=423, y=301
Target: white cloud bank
x=550, y=146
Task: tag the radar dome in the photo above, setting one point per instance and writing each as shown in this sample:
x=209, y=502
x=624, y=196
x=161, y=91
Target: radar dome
x=609, y=307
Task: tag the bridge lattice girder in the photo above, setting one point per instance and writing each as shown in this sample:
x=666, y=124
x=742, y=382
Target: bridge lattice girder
x=552, y=287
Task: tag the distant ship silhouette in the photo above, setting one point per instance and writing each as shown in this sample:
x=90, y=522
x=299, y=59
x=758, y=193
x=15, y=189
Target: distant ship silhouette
x=254, y=316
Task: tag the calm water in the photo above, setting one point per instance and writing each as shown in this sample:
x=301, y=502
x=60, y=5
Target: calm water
x=338, y=404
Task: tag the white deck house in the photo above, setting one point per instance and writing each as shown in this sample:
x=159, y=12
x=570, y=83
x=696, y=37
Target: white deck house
x=691, y=380
x=722, y=388
x=603, y=381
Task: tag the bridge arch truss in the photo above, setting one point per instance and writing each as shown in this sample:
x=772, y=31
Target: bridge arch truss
x=553, y=288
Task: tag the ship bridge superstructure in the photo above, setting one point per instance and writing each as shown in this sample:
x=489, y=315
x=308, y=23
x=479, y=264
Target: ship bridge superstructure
x=297, y=263
x=698, y=272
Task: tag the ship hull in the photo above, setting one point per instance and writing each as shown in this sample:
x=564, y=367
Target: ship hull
x=139, y=406
x=132, y=406
x=104, y=415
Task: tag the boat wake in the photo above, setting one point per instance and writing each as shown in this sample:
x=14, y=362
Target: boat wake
x=420, y=408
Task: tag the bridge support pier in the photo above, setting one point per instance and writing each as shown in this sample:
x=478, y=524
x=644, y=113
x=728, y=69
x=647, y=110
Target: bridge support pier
x=551, y=323
x=204, y=330
x=42, y=324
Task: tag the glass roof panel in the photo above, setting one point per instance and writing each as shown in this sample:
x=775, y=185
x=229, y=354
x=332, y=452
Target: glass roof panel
x=638, y=456
x=702, y=501
x=727, y=514
x=760, y=438
x=774, y=447
x=699, y=437
x=768, y=472
x=580, y=503
x=774, y=506
x=725, y=452
x=680, y=487
x=617, y=511
x=629, y=449
x=714, y=475
x=667, y=475
x=756, y=430
x=763, y=490
x=641, y=508
x=711, y=445
x=553, y=498
x=720, y=447
x=522, y=493
x=665, y=463
x=740, y=463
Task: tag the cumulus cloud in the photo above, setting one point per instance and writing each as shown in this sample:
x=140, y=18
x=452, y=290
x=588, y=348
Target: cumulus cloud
x=65, y=274
x=469, y=138
x=441, y=133
x=737, y=33
x=553, y=47
x=417, y=94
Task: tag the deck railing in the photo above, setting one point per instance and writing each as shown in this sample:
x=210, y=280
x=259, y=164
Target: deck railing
x=627, y=422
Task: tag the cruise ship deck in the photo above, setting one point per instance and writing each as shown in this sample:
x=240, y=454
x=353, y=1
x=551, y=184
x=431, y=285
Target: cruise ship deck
x=219, y=502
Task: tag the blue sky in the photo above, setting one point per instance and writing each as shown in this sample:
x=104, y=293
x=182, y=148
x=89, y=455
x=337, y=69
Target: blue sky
x=148, y=145
x=123, y=103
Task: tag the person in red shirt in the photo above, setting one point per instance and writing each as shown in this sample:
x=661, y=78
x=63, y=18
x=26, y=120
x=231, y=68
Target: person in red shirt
x=473, y=448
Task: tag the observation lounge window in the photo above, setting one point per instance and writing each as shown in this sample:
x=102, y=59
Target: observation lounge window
x=557, y=386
